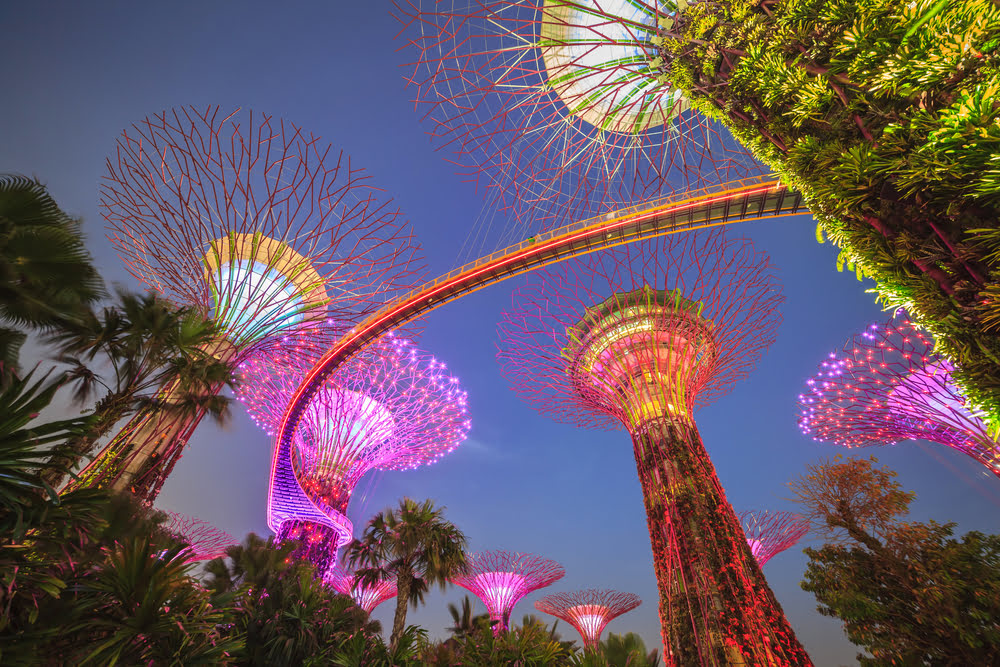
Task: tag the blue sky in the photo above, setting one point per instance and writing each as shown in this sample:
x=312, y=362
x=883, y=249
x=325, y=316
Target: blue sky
x=76, y=74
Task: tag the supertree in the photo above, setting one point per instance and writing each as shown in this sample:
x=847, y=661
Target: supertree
x=205, y=540
x=589, y=611
x=560, y=105
x=769, y=533
x=501, y=578
x=367, y=597
x=887, y=385
x=391, y=407
x=255, y=223
x=639, y=336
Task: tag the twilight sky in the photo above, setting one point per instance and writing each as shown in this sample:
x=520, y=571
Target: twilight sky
x=76, y=74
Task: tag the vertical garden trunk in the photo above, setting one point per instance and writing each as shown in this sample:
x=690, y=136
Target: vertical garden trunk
x=715, y=606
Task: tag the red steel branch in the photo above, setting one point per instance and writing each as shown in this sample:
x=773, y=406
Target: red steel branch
x=769, y=533
x=589, y=611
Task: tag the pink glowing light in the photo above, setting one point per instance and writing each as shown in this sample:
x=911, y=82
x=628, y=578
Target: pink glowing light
x=589, y=611
x=366, y=597
x=392, y=407
x=769, y=533
x=501, y=578
x=205, y=540
x=888, y=385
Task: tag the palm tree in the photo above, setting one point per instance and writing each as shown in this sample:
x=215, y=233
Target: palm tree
x=47, y=279
x=464, y=622
x=413, y=544
x=147, y=343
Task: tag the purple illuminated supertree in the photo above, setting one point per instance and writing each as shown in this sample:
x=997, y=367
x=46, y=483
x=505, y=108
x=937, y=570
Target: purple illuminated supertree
x=391, y=407
x=887, y=385
x=366, y=597
x=769, y=533
x=561, y=106
x=206, y=541
x=501, y=578
x=589, y=611
x=256, y=223
x=639, y=336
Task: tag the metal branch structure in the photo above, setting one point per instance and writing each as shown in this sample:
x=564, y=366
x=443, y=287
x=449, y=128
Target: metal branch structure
x=205, y=540
x=887, y=385
x=501, y=578
x=259, y=225
x=559, y=105
x=366, y=597
x=769, y=533
x=589, y=610
x=639, y=336
x=392, y=407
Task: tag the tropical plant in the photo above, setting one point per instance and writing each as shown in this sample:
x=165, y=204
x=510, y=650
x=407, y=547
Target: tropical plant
x=531, y=644
x=414, y=545
x=287, y=615
x=620, y=651
x=147, y=344
x=908, y=593
x=882, y=114
x=464, y=622
x=47, y=279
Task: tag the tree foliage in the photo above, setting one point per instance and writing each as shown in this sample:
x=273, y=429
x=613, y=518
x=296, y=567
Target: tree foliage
x=47, y=279
x=413, y=544
x=908, y=593
x=884, y=115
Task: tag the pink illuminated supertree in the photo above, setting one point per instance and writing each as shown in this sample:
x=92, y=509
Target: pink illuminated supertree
x=205, y=540
x=366, y=596
x=769, y=533
x=887, y=385
x=589, y=611
x=256, y=223
x=639, y=336
x=559, y=106
x=501, y=578
x=391, y=407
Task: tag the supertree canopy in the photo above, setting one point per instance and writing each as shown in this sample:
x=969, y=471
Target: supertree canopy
x=367, y=597
x=887, y=385
x=391, y=407
x=639, y=336
x=589, y=611
x=206, y=541
x=259, y=225
x=560, y=104
x=769, y=533
x=501, y=578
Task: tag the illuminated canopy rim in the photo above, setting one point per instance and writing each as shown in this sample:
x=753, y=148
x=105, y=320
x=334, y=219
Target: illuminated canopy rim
x=601, y=70
x=261, y=284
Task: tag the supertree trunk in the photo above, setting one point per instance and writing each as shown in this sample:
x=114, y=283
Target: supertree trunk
x=715, y=606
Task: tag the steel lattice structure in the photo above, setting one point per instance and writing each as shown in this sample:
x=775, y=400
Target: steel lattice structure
x=392, y=407
x=559, y=106
x=254, y=222
x=769, y=533
x=366, y=597
x=589, y=610
x=205, y=540
x=639, y=336
x=887, y=385
x=501, y=578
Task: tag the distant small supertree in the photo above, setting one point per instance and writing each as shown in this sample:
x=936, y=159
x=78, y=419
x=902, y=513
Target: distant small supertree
x=366, y=596
x=589, y=611
x=391, y=407
x=888, y=385
x=501, y=578
x=769, y=533
x=205, y=540
x=560, y=106
x=251, y=221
